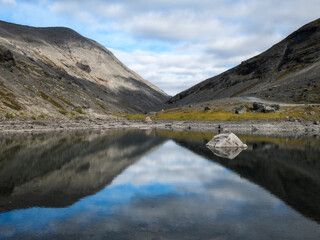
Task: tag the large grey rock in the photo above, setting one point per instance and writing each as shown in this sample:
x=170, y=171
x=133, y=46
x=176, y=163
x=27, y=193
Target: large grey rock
x=226, y=140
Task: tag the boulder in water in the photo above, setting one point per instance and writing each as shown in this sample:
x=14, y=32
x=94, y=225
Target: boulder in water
x=226, y=140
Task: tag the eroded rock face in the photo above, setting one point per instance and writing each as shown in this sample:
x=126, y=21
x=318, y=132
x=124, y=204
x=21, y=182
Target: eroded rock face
x=226, y=140
x=6, y=57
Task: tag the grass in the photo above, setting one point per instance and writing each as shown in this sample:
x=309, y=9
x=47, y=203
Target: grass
x=9, y=99
x=80, y=110
x=9, y=116
x=300, y=112
x=64, y=100
x=101, y=106
x=63, y=111
x=49, y=99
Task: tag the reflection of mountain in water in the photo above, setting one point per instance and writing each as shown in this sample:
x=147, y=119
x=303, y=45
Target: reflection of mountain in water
x=290, y=174
x=57, y=171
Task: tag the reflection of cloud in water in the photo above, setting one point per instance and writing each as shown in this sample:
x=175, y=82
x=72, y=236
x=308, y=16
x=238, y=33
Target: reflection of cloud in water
x=175, y=194
x=229, y=153
x=189, y=173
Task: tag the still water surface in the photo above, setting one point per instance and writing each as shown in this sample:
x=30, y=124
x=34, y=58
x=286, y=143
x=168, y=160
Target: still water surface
x=157, y=185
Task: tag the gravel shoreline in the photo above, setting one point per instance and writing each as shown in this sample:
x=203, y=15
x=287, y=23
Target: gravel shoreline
x=268, y=128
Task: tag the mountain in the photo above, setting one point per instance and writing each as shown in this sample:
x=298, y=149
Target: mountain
x=288, y=71
x=55, y=71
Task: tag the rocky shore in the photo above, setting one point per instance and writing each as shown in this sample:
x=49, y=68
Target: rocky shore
x=269, y=128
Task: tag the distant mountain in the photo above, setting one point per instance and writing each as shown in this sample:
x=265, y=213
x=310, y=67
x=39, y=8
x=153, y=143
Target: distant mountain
x=56, y=71
x=288, y=71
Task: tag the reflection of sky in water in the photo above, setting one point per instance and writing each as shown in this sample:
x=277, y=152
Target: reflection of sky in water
x=170, y=193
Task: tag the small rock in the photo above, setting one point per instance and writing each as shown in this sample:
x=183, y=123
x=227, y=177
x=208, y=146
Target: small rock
x=152, y=114
x=275, y=106
x=316, y=122
x=207, y=109
x=268, y=109
x=190, y=106
x=254, y=128
x=147, y=120
x=312, y=113
x=169, y=125
x=241, y=110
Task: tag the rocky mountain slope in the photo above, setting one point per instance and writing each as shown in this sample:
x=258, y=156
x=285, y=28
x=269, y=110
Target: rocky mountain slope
x=288, y=71
x=56, y=72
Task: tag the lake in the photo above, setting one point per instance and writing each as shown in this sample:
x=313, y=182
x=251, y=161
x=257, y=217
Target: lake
x=157, y=185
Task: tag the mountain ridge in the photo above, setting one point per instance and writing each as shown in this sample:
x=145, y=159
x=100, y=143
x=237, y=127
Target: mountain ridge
x=59, y=71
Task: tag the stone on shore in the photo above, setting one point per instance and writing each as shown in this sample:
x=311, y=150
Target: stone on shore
x=152, y=114
x=275, y=106
x=241, y=110
x=147, y=120
x=256, y=106
x=268, y=109
x=226, y=140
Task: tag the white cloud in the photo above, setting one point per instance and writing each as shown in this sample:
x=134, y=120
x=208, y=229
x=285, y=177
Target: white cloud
x=9, y=2
x=171, y=71
x=201, y=38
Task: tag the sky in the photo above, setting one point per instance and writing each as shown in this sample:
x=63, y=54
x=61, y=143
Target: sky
x=173, y=44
